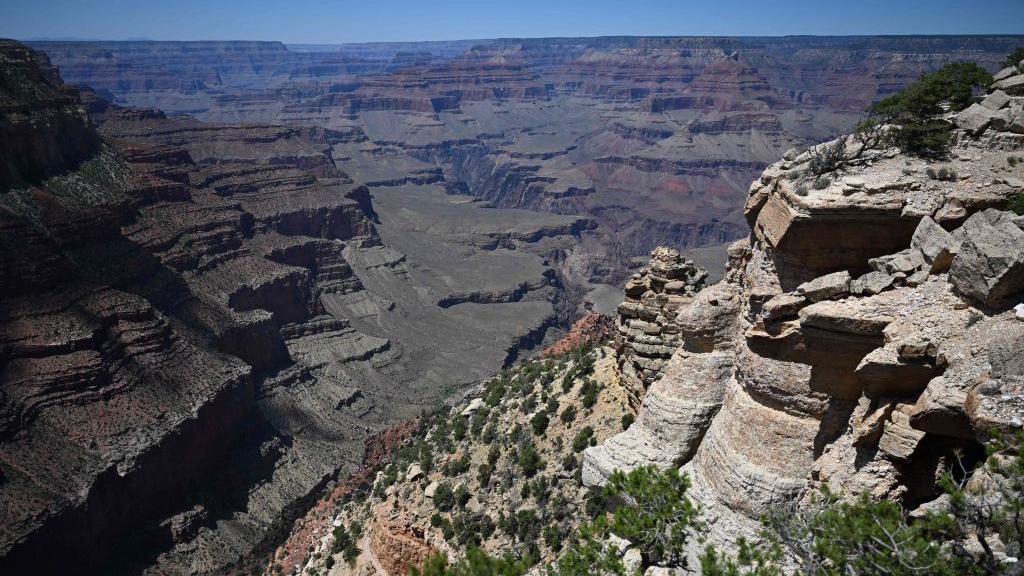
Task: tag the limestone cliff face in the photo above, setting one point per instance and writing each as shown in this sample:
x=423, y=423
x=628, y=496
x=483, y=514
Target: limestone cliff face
x=862, y=334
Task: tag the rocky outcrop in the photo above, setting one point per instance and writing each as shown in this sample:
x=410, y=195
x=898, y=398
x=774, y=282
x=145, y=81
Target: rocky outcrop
x=860, y=338
x=587, y=331
x=646, y=320
x=396, y=548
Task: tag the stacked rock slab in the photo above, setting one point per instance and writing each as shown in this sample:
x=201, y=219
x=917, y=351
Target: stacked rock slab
x=870, y=333
x=646, y=318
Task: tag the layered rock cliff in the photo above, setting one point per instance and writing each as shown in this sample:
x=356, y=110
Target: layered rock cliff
x=201, y=324
x=863, y=334
x=654, y=139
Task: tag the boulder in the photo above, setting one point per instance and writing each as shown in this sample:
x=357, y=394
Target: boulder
x=415, y=472
x=783, y=306
x=940, y=410
x=936, y=245
x=990, y=264
x=899, y=439
x=871, y=283
x=1016, y=113
x=996, y=406
x=431, y=489
x=917, y=278
x=975, y=119
x=825, y=287
x=632, y=561
x=1005, y=73
x=996, y=100
x=1014, y=85
x=475, y=405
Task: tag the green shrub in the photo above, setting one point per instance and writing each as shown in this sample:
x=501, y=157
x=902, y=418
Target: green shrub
x=627, y=420
x=569, y=462
x=444, y=497
x=495, y=392
x=483, y=474
x=568, y=415
x=426, y=458
x=567, y=381
x=582, y=439
x=801, y=190
x=588, y=393
x=456, y=467
x=552, y=406
x=475, y=563
x=461, y=496
x=553, y=537
x=1016, y=204
x=529, y=461
x=493, y=454
x=344, y=543
x=914, y=109
x=489, y=434
x=478, y=421
x=659, y=513
x=539, y=423
x=822, y=183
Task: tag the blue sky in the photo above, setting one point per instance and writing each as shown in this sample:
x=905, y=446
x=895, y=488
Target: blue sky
x=336, y=21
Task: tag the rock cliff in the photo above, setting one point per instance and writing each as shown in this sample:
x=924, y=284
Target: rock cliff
x=860, y=337
x=224, y=296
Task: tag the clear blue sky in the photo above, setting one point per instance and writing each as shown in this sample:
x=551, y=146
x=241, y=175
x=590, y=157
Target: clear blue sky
x=324, y=21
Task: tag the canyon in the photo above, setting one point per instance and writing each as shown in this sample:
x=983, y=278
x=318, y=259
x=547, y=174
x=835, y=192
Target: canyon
x=865, y=338
x=227, y=264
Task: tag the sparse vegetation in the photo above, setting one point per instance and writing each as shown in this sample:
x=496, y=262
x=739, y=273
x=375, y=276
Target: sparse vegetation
x=914, y=111
x=345, y=542
x=944, y=173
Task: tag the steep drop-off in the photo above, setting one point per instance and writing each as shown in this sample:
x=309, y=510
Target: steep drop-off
x=201, y=324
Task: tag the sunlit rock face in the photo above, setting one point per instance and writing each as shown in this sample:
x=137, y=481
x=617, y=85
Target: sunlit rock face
x=860, y=337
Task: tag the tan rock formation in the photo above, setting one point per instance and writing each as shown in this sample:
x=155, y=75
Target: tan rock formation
x=845, y=353
x=646, y=318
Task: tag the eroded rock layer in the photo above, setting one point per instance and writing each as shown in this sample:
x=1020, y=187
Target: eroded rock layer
x=860, y=337
x=654, y=139
x=200, y=324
